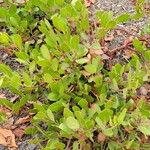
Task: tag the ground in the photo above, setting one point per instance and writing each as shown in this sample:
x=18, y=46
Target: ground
x=115, y=39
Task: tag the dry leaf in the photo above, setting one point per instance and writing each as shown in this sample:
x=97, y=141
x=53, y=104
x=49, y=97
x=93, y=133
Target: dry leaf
x=2, y=96
x=89, y=2
x=23, y=120
x=21, y=1
x=6, y=111
x=9, y=123
x=128, y=54
x=3, y=140
x=96, y=52
x=7, y=138
x=18, y=132
x=101, y=137
x=82, y=136
x=93, y=106
x=89, y=56
x=85, y=73
x=105, y=57
x=129, y=40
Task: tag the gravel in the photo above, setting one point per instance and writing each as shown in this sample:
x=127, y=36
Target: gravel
x=118, y=7
x=25, y=146
x=2, y=147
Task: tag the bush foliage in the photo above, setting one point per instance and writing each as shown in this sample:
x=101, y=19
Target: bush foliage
x=77, y=102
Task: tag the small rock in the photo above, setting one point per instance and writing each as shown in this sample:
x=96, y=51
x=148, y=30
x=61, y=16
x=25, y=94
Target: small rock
x=26, y=146
x=2, y=147
x=143, y=91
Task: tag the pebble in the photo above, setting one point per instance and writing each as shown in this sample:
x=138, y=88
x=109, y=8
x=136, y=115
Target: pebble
x=2, y=147
x=26, y=146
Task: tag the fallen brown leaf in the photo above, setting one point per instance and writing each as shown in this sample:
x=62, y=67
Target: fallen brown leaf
x=128, y=40
x=8, y=124
x=96, y=52
x=101, y=137
x=23, y=120
x=7, y=138
x=89, y=2
x=6, y=111
x=18, y=132
x=85, y=73
x=93, y=106
x=106, y=57
x=3, y=140
x=2, y=96
x=128, y=53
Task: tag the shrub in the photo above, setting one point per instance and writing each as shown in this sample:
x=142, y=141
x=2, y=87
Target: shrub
x=77, y=102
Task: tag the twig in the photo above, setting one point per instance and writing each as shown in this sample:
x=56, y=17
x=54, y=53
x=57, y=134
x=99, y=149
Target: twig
x=124, y=30
x=120, y=48
x=68, y=144
x=128, y=44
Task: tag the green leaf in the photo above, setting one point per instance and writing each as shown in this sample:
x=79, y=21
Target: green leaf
x=74, y=42
x=4, y=38
x=106, y=17
x=144, y=129
x=30, y=130
x=75, y=145
x=73, y=2
x=57, y=106
x=14, y=21
x=60, y=23
x=16, y=81
x=50, y=114
x=138, y=45
x=65, y=128
x=1, y=81
x=48, y=78
x=122, y=115
x=105, y=115
x=45, y=52
x=27, y=80
x=53, y=96
x=83, y=103
x=100, y=123
x=41, y=115
x=6, y=70
x=19, y=104
x=111, y=25
x=82, y=60
x=54, y=144
x=91, y=68
x=22, y=55
x=3, y=12
x=108, y=132
x=72, y=123
x=84, y=25
x=6, y=103
x=67, y=113
x=123, y=18
x=114, y=146
x=54, y=64
x=147, y=55
x=17, y=40
x=59, y=2
x=96, y=45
